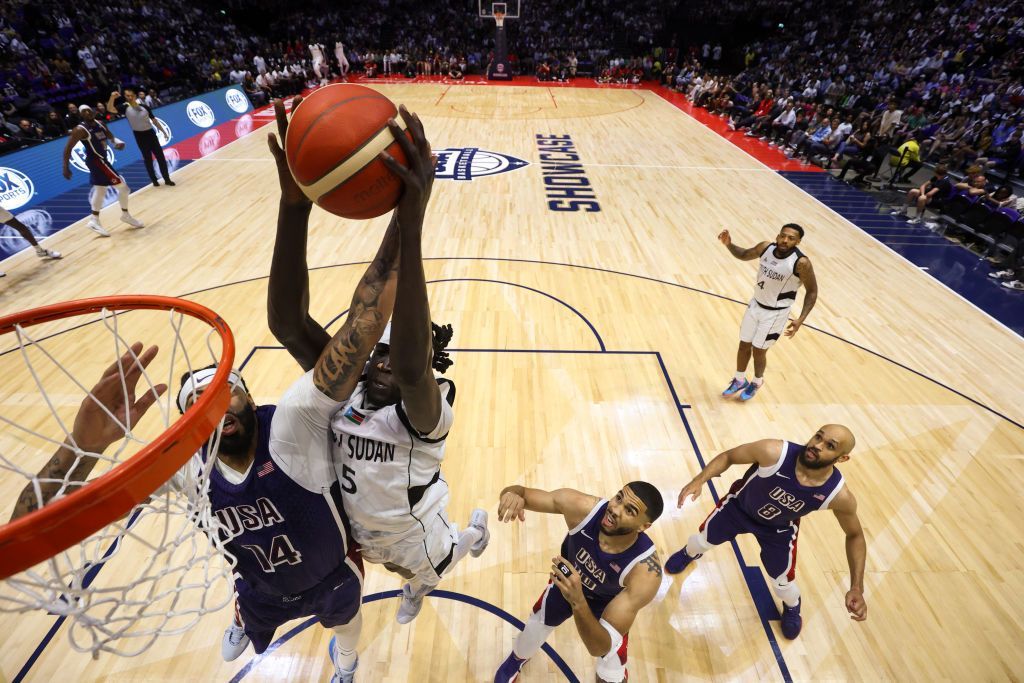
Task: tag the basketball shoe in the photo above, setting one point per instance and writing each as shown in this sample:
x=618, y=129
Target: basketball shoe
x=479, y=520
x=750, y=390
x=410, y=605
x=341, y=675
x=44, y=253
x=508, y=672
x=94, y=225
x=680, y=561
x=791, y=621
x=131, y=220
x=234, y=642
x=734, y=386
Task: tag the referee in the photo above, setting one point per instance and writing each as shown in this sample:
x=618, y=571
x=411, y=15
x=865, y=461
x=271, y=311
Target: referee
x=141, y=119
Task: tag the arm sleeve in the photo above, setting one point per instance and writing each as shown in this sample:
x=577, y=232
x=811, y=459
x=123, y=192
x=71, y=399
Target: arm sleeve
x=300, y=434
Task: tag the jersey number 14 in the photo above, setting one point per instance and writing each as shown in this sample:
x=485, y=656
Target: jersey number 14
x=281, y=552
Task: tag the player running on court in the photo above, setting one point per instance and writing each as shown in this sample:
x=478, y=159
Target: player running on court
x=782, y=269
x=606, y=572
x=784, y=482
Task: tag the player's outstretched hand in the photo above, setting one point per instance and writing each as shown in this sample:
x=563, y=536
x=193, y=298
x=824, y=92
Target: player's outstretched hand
x=111, y=408
x=856, y=605
x=725, y=238
x=291, y=193
x=511, y=507
x=691, y=491
x=418, y=178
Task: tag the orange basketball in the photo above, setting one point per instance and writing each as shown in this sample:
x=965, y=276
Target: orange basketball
x=334, y=138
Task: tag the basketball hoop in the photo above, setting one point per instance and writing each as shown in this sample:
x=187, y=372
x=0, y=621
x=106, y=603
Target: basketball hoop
x=50, y=558
x=499, y=19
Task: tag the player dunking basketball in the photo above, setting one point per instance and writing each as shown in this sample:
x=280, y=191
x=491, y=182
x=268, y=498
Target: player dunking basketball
x=784, y=482
x=389, y=433
x=94, y=136
x=782, y=269
x=606, y=572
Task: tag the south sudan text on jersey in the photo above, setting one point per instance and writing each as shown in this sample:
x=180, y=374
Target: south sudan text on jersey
x=358, y=448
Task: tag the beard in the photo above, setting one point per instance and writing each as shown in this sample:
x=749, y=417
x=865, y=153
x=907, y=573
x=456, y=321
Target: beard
x=239, y=442
x=818, y=464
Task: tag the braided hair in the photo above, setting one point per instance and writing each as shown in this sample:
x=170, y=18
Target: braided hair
x=442, y=336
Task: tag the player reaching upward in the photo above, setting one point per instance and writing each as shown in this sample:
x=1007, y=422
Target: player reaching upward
x=784, y=482
x=94, y=136
x=606, y=572
x=783, y=268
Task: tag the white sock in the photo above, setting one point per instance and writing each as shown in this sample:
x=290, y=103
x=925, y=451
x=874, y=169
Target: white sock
x=758, y=381
x=698, y=545
x=533, y=636
x=741, y=376
x=346, y=640
x=787, y=591
x=467, y=539
x=122, y=195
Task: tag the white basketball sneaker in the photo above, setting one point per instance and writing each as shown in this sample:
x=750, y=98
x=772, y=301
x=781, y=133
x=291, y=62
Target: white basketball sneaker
x=234, y=642
x=44, y=253
x=341, y=675
x=131, y=220
x=409, y=607
x=94, y=225
x=478, y=519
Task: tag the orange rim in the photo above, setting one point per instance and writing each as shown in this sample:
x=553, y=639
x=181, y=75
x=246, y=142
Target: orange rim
x=41, y=534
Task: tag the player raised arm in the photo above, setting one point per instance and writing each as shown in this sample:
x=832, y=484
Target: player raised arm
x=515, y=500
x=765, y=453
x=739, y=252
x=288, y=289
x=100, y=421
x=805, y=272
x=411, y=355
x=844, y=507
x=605, y=635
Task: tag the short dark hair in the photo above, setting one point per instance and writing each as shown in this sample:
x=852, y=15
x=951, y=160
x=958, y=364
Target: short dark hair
x=796, y=227
x=650, y=496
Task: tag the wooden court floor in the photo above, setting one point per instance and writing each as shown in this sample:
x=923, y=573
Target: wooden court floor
x=592, y=350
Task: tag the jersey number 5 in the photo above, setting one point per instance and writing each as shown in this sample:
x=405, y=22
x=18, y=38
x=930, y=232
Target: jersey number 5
x=348, y=484
x=281, y=552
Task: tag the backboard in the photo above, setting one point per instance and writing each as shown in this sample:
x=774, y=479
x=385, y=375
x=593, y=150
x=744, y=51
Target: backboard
x=487, y=8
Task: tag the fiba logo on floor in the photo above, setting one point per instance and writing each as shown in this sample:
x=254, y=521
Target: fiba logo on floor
x=200, y=113
x=160, y=128
x=209, y=142
x=467, y=163
x=236, y=100
x=16, y=188
x=78, y=157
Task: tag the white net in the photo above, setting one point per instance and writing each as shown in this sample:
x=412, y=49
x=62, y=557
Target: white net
x=161, y=567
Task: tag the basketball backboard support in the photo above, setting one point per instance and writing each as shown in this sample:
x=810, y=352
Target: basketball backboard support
x=509, y=7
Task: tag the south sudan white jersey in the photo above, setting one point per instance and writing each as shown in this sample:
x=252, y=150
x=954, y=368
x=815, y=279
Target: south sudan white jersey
x=777, y=280
x=317, y=50
x=390, y=474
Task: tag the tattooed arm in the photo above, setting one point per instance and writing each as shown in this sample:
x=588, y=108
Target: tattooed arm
x=94, y=430
x=338, y=369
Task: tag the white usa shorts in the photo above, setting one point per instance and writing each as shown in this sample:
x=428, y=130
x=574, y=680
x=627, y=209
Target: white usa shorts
x=761, y=326
x=423, y=551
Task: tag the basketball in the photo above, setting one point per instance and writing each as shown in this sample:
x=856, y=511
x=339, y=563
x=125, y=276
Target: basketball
x=334, y=138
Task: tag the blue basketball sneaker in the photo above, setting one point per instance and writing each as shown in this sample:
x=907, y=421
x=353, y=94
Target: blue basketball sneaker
x=680, y=561
x=509, y=669
x=734, y=386
x=341, y=675
x=750, y=390
x=792, y=622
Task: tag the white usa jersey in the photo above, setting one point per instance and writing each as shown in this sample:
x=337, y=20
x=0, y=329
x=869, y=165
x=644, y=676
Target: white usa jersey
x=390, y=474
x=777, y=280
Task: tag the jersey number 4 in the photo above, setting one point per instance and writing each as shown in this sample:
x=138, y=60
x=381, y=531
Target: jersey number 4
x=761, y=284
x=281, y=552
